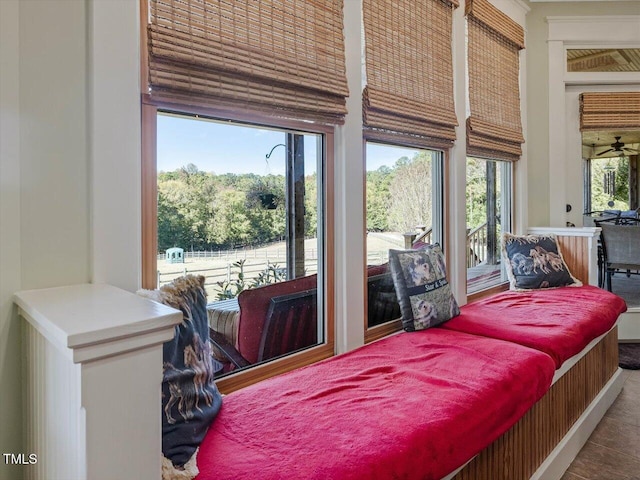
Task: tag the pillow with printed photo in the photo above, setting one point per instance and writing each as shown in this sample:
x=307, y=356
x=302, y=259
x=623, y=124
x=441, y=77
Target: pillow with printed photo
x=535, y=262
x=424, y=294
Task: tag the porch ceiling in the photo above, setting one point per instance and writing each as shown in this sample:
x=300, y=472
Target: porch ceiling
x=604, y=60
x=600, y=141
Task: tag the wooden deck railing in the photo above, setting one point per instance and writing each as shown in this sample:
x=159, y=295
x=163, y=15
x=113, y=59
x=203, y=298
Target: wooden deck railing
x=425, y=235
x=477, y=240
x=476, y=245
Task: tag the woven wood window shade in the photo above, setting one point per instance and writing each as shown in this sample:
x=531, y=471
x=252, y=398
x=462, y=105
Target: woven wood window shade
x=494, y=128
x=279, y=58
x=409, y=94
x=610, y=111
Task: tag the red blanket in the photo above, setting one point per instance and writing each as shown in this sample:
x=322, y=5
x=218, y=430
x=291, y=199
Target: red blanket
x=412, y=406
x=558, y=321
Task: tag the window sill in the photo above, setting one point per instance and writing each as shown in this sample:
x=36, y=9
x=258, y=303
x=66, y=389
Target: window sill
x=488, y=292
x=272, y=368
x=380, y=331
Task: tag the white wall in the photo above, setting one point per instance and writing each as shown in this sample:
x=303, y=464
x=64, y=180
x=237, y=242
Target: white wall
x=44, y=160
x=10, y=365
x=114, y=134
x=547, y=205
x=54, y=195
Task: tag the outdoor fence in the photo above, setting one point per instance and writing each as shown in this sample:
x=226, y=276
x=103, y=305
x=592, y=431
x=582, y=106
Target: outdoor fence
x=238, y=254
x=377, y=257
x=258, y=261
x=224, y=266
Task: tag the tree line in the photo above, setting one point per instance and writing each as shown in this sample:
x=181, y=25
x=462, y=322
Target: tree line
x=200, y=210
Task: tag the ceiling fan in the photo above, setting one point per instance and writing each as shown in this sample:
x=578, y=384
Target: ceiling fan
x=618, y=146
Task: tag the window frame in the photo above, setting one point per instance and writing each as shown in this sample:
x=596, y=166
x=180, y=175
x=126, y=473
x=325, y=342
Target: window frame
x=438, y=198
x=507, y=176
x=149, y=216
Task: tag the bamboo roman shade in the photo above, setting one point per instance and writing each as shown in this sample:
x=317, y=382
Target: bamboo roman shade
x=494, y=127
x=610, y=111
x=408, y=98
x=281, y=58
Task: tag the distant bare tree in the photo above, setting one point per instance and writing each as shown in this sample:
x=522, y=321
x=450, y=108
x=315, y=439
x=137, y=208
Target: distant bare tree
x=410, y=192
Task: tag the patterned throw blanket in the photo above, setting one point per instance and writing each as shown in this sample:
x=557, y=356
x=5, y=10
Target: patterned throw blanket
x=190, y=398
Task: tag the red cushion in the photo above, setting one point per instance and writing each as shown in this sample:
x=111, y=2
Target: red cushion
x=412, y=406
x=559, y=321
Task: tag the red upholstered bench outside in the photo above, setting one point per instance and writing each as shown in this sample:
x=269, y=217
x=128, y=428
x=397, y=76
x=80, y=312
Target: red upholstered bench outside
x=238, y=337
x=413, y=406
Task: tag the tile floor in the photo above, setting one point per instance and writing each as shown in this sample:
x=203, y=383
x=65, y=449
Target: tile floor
x=613, y=450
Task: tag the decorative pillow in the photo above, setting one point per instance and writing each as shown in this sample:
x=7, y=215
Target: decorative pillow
x=190, y=398
x=420, y=280
x=534, y=262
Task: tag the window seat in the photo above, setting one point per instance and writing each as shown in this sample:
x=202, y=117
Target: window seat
x=84, y=340
x=413, y=405
x=423, y=404
x=559, y=321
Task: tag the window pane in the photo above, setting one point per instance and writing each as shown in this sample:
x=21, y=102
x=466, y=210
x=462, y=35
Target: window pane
x=242, y=205
x=610, y=184
x=402, y=206
x=488, y=215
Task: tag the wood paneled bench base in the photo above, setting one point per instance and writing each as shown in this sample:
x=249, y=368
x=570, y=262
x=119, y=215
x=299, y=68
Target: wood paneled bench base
x=547, y=438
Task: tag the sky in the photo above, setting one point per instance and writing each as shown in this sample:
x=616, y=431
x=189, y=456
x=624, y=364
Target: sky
x=220, y=148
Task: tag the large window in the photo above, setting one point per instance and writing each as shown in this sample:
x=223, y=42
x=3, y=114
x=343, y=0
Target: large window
x=489, y=207
x=403, y=192
x=243, y=205
x=229, y=197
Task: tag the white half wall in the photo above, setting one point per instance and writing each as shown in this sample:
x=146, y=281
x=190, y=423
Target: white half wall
x=44, y=199
x=629, y=325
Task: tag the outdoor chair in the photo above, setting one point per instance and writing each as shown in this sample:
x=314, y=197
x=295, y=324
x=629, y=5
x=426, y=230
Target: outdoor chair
x=621, y=248
x=291, y=324
x=265, y=313
x=382, y=301
x=596, y=218
x=590, y=219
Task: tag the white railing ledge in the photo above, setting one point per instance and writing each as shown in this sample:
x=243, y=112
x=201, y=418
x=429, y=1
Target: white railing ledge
x=87, y=346
x=92, y=321
x=568, y=231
